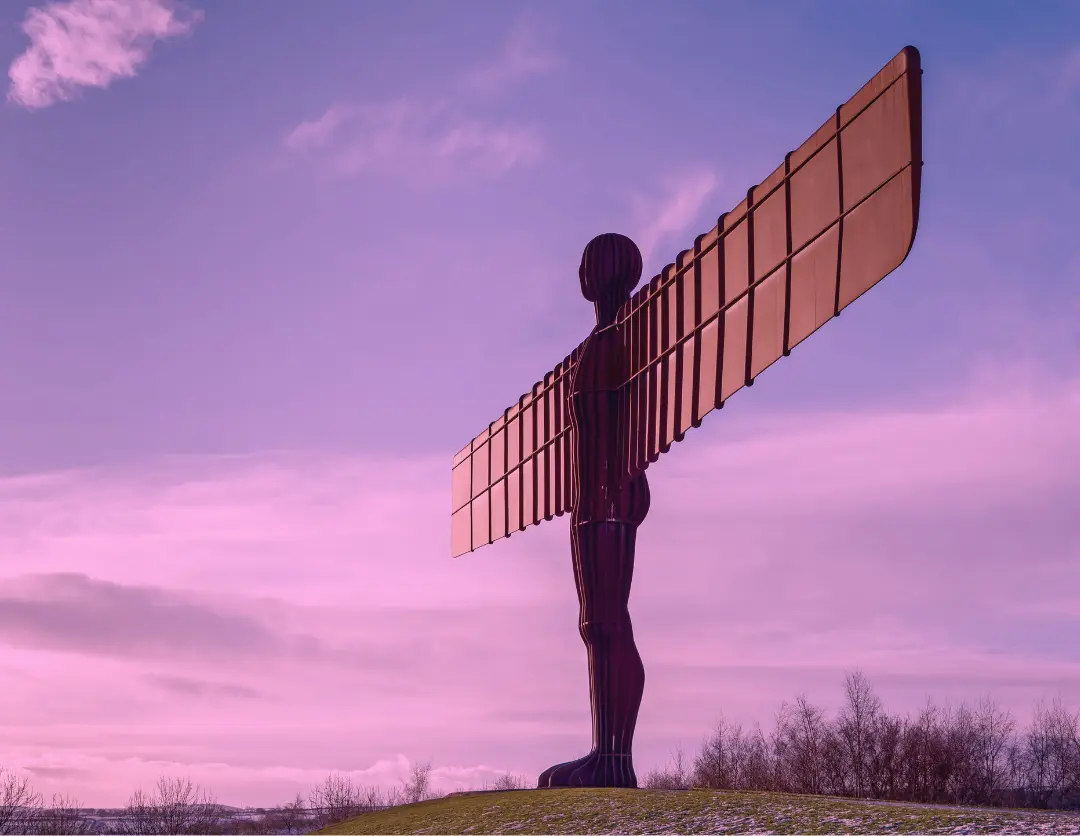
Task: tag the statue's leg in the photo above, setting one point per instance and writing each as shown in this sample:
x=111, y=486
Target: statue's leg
x=559, y=774
x=603, y=568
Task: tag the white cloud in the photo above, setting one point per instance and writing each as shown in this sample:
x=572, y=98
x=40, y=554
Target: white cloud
x=496, y=149
x=521, y=57
x=429, y=141
x=421, y=141
x=317, y=132
x=89, y=43
x=673, y=212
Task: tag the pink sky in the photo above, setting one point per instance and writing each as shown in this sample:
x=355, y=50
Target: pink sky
x=258, y=621
x=249, y=316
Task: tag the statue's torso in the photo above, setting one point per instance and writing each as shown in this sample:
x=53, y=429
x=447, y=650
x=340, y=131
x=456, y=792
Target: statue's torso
x=597, y=411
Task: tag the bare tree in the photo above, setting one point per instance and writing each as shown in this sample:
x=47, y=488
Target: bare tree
x=952, y=748
x=886, y=764
x=247, y=825
x=717, y=764
x=417, y=787
x=994, y=733
x=394, y=797
x=18, y=802
x=1017, y=771
x=1038, y=754
x=756, y=765
x=913, y=779
x=289, y=818
x=836, y=777
x=856, y=724
x=335, y=800
x=1054, y=754
x=675, y=776
x=510, y=781
x=62, y=817
x=175, y=806
x=679, y=769
x=804, y=733
x=779, y=767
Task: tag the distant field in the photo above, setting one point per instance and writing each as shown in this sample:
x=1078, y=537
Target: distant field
x=691, y=811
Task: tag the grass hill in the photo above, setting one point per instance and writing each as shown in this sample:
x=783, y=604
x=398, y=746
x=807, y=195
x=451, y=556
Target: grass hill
x=691, y=811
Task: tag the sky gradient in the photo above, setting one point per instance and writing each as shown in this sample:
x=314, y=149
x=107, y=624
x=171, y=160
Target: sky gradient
x=265, y=266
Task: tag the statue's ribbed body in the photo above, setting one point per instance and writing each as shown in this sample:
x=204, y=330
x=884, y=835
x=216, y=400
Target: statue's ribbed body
x=603, y=525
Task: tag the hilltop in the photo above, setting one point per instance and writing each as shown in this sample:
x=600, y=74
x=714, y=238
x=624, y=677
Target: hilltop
x=691, y=811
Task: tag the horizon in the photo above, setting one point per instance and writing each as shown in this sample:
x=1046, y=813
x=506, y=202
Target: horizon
x=265, y=272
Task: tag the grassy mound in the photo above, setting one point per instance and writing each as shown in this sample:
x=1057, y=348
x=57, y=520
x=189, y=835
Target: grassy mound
x=691, y=811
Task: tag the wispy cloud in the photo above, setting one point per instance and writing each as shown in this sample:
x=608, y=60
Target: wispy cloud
x=190, y=687
x=309, y=136
x=1016, y=88
x=1070, y=70
x=522, y=56
x=76, y=613
x=659, y=218
x=90, y=43
x=428, y=141
x=423, y=142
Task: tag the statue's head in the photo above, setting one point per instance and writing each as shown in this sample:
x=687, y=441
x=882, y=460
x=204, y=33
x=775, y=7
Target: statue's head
x=610, y=268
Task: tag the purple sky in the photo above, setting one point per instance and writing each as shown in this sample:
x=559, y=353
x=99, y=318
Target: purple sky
x=267, y=265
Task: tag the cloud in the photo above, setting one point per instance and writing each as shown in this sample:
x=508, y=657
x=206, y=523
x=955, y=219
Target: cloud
x=966, y=455
x=672, y=212
x=1013, y=89
x=424, y=142
x=430, y=141
x=73, y=612
x=90, y=43
x=188, y=687
x=521, y=57
x=494, y=150
x=316, y=133
x=1070, y=70
x=55, y=772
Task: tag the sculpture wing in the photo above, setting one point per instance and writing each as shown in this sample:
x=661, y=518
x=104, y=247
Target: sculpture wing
x=516, y=473
x=838, y=216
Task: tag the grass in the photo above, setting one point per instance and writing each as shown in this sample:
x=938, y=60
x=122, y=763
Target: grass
x=690, y=811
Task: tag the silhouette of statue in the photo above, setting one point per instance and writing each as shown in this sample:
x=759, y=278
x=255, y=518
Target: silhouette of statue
x=834, y=218
x=603, y=524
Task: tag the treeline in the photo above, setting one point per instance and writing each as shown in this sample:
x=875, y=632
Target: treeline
x=176, y=806
x=968, y=755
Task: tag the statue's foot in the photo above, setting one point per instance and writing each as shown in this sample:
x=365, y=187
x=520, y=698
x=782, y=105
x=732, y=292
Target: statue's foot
x=593, y=770
x=559, y=774
x=604, y=770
